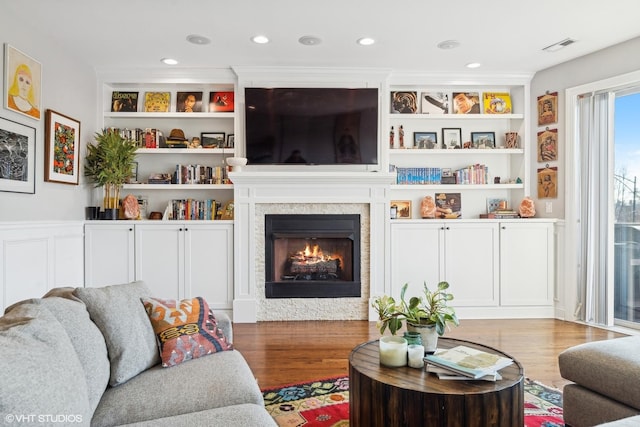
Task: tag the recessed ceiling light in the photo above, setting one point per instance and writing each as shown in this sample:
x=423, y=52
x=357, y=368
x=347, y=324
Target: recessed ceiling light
x=169, y=61
x=309, y=40
x=473, y=65
x=260, y=39
x=366, y=41
x=196, y=39
x=448, y=44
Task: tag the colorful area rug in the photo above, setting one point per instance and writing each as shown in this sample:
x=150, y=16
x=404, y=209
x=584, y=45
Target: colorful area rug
x=325, y=403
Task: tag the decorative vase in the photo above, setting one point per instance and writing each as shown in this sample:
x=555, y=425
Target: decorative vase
x=393, y=351
x=428, y=334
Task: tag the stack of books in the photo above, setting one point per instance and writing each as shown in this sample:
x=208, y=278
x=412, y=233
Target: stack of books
x=501, y=214
x=466, y=363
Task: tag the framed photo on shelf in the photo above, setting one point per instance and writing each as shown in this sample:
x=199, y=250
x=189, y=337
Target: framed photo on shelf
x=483, y=139
x=124, y=102
x=231, y=141
x=426, y=140
x=401, y=209
x=19, y=153
x=452, y=138
x=212, y=139
x=156, y=102
x=494, y=204
x=134, y=173
x=496, y=103
x=466, y=103
x=189, y=102
x=221, y=102
x=61, y=148
x=20, y=67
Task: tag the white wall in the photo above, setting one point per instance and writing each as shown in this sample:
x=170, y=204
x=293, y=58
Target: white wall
x=613, y=61
x=68, y=87
x=619, y=59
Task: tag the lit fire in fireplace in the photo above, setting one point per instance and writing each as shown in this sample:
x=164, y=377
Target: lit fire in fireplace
x=311, y=260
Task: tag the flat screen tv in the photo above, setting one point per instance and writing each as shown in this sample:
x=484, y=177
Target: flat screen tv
x=311, y=126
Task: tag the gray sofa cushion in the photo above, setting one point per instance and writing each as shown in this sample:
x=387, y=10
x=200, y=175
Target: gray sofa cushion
x=88, y=342
x=44, y=373
x=625, y=422
x=582, y=407
x=120, y=315
x=606, y=367
x=244, y=415
x=218, y=380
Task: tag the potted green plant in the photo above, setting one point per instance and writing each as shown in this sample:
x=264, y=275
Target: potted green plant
x=109, y=164
x=430, y=313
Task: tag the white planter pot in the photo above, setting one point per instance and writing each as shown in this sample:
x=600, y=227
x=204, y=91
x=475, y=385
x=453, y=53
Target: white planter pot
x=428, y=334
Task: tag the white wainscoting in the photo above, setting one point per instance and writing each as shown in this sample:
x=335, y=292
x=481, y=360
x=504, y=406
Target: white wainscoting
x=36, y=257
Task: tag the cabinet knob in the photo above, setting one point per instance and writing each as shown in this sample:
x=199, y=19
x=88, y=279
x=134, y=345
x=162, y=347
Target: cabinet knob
x=504, y=228
x=130, y=229
x=180, y=229
x=186, y=229
x=447, y=228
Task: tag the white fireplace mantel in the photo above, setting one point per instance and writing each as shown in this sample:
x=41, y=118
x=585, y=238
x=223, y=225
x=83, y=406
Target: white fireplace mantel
x=253, y=188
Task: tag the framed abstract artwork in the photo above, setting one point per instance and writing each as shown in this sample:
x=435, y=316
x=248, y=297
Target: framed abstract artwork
x=62, y=148
x=17, y=157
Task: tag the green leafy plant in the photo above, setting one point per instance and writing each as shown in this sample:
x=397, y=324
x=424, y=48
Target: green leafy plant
x=430, y=308
x=109, y=163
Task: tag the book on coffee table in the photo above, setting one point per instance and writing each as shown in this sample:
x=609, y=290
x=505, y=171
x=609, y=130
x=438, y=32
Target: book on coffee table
x=446, y=374
x=468, y=361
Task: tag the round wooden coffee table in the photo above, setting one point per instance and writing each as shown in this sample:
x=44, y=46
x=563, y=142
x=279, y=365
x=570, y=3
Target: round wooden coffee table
x=386, y=397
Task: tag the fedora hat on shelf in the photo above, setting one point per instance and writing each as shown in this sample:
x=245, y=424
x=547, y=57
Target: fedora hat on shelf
x=177, y=135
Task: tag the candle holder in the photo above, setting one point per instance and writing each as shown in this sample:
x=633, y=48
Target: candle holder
x=393, y=351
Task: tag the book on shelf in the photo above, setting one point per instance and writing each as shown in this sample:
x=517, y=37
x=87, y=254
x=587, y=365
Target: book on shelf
x=446, y=374
x=156, y=102
x=124, y=102
x=193, y=210
x=467, y=361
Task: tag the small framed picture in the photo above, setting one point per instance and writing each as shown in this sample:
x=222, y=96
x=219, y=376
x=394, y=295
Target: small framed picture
x=483, y=139
x=426, y=140
x=221, y=102
x=62, y=143
x=212, y=139
x=134, y=173
x=401, y=208
x=23, y=83
x=548, y=145
x=231, y=142
x=452, y=138
x=189, y=102
x=548, y=109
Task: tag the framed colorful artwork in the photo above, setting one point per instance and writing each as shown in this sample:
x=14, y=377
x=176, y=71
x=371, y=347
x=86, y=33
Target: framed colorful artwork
x=61, y=148
x=548, y=145
x=426, y=140
x=17, y=157
x=23, y=83
x=496, y=103
x=548, y=109
x=221, y=102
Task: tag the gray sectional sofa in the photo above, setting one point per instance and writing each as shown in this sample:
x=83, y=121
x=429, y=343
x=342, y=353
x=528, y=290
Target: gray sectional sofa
x=69, y=362
x=605, y=384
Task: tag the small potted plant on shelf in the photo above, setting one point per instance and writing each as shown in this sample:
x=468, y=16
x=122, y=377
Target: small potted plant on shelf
x=109, y=164
x=429, y=314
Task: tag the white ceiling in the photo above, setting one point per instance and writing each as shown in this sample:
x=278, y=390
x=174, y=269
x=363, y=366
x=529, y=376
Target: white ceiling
x=505, y=36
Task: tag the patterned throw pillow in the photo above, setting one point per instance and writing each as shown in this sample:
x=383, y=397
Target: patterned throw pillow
x=185, y=329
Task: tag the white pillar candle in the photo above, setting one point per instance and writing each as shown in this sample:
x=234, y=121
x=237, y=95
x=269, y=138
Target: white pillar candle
x=393, y=351
x=416, y=354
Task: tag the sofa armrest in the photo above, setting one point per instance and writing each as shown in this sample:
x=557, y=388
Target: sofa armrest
x=224, y=323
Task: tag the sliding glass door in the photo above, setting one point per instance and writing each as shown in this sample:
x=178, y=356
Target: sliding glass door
x=626, y=199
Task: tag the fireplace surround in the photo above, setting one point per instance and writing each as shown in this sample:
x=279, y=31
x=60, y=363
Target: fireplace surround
x=312, y=256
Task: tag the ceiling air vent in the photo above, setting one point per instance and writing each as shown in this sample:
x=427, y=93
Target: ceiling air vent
x=557, y=46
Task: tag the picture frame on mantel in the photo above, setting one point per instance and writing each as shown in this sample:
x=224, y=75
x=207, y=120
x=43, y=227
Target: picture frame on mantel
x=62, y=143
x=19, y=152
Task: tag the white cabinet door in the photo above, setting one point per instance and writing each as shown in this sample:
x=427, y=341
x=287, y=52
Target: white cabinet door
x=472, y=263
x=109, y=254
x=526, y=269
x=160, y=258
x=416, y=256
x=209, y=263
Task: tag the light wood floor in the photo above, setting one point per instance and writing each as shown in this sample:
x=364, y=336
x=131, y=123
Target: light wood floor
x=291, y=352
